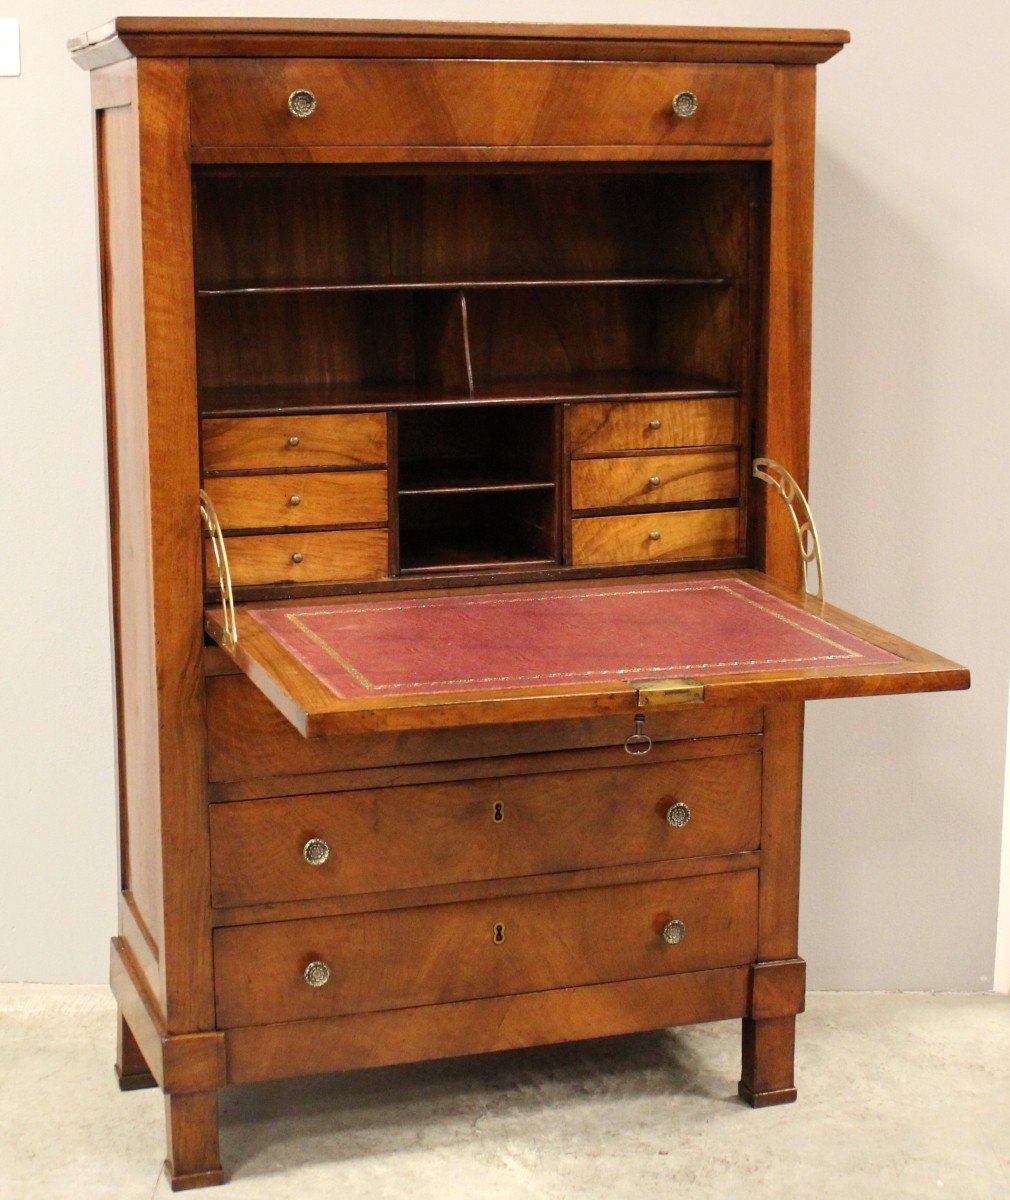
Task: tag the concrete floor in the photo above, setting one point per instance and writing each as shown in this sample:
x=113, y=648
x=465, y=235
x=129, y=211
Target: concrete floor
x=900, y=1096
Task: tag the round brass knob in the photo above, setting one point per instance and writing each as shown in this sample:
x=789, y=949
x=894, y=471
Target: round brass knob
x=302, y=103
x=685, y=104
x=297, y=557
x=654, y=481
x=294, y=440
x=674, y=932
x=678, y=815
x=654, y=535
x=655, y=423
x=316, y=851
x=296, y=500
x=317, y=974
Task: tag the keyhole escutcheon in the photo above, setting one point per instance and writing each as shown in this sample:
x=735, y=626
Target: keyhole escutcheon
x=498, y=812
x=499, y=933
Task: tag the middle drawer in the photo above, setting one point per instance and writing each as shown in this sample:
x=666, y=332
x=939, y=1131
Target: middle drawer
x=310, y=498
x=384, y=839
x=645, y=479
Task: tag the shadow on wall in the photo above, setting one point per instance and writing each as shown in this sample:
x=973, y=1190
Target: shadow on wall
x=904, y=795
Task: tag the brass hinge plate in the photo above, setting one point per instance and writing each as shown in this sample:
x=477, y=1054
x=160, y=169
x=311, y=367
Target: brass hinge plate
x=657, y=693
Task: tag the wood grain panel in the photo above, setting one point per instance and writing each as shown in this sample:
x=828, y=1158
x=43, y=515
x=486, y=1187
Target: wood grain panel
x=249, y=738
x=324, y=498
x=655, y=479
x=599, y=428
x=691, y=534
x=258, y=443
x=244, y=102
x=344, y=555
x=388, y=960
x=405, y=837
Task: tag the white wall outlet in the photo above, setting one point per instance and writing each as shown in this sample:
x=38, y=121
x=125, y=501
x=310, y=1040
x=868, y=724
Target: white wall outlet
x=10, y=46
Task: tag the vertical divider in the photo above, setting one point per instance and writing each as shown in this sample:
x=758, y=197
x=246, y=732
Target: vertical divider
x=465, y=325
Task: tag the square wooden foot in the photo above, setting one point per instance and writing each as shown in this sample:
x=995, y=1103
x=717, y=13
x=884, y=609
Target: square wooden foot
x=132, y=1070
x=769, y=1048
x=194, y=1160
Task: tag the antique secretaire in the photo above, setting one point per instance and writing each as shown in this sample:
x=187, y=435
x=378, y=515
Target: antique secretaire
x=466, y=594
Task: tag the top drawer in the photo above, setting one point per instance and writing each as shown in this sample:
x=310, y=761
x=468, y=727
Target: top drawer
x=440, y=102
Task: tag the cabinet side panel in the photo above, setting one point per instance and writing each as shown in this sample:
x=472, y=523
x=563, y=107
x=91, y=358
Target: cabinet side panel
x=784, y=417
x=176, y=539
x=117, y=145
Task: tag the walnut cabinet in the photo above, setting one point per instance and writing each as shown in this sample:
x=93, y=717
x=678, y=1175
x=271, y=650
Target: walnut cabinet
x=457, y=384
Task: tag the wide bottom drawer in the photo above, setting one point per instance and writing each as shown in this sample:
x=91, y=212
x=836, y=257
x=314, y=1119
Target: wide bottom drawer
x=370, y=962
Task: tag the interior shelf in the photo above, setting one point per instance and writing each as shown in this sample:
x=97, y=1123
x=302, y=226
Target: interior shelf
x=307, y=399
x=448, y=476
x=288, y=287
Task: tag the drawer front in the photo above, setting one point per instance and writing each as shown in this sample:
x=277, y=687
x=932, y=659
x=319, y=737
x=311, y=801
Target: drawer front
x=403, y=102
x=654, y=424
x=316, y=498
x=250, y=739
x=262, y=443
x=410, y=837
x=642, y=479
x=656, y=537
x=449, y=952
x=348, y=554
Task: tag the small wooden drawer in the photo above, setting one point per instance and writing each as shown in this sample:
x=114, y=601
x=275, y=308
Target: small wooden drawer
x=655, y=479
x=316, y=498
x=346, y=554
x=410, y=837
x=645, y=425
x=444, y=102
x=262, y=443
x=648, y=537
x=373, y=961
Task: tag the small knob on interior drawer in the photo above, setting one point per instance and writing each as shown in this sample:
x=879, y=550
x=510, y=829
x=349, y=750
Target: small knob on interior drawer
x=294, y=440
x=302, y=103
x=678, y=815
x=316, y=851
x=655, y=423
x=685, y=104
x=317, y=974
x=654, y=535
x=296, y=500
x=297, y=557
x=654, y=481
x=674, y=932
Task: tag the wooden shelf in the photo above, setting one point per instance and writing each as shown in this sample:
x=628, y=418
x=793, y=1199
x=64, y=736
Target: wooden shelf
x=362, y=397
x=294, y=287
x=466, y=550
x=465, y=476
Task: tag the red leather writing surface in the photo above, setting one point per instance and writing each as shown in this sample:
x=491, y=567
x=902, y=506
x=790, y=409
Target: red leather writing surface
x=461, y=643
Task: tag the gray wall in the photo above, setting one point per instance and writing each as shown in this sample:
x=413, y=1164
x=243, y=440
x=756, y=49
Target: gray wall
x=904, y=796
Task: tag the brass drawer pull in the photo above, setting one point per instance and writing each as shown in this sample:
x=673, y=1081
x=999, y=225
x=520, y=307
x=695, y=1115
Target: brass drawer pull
x=654, y=481
x=678, y=815
x=674, y=932
x=655, y=423
x=297, y=557
x=685, y=104
x=294, y=440
x=302, y=103
x=316, y=851
x=317, y=974
x=295, y=501
x=654, y=535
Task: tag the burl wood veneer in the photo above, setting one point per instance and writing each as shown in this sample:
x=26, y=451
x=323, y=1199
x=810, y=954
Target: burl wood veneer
x=446, y=352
